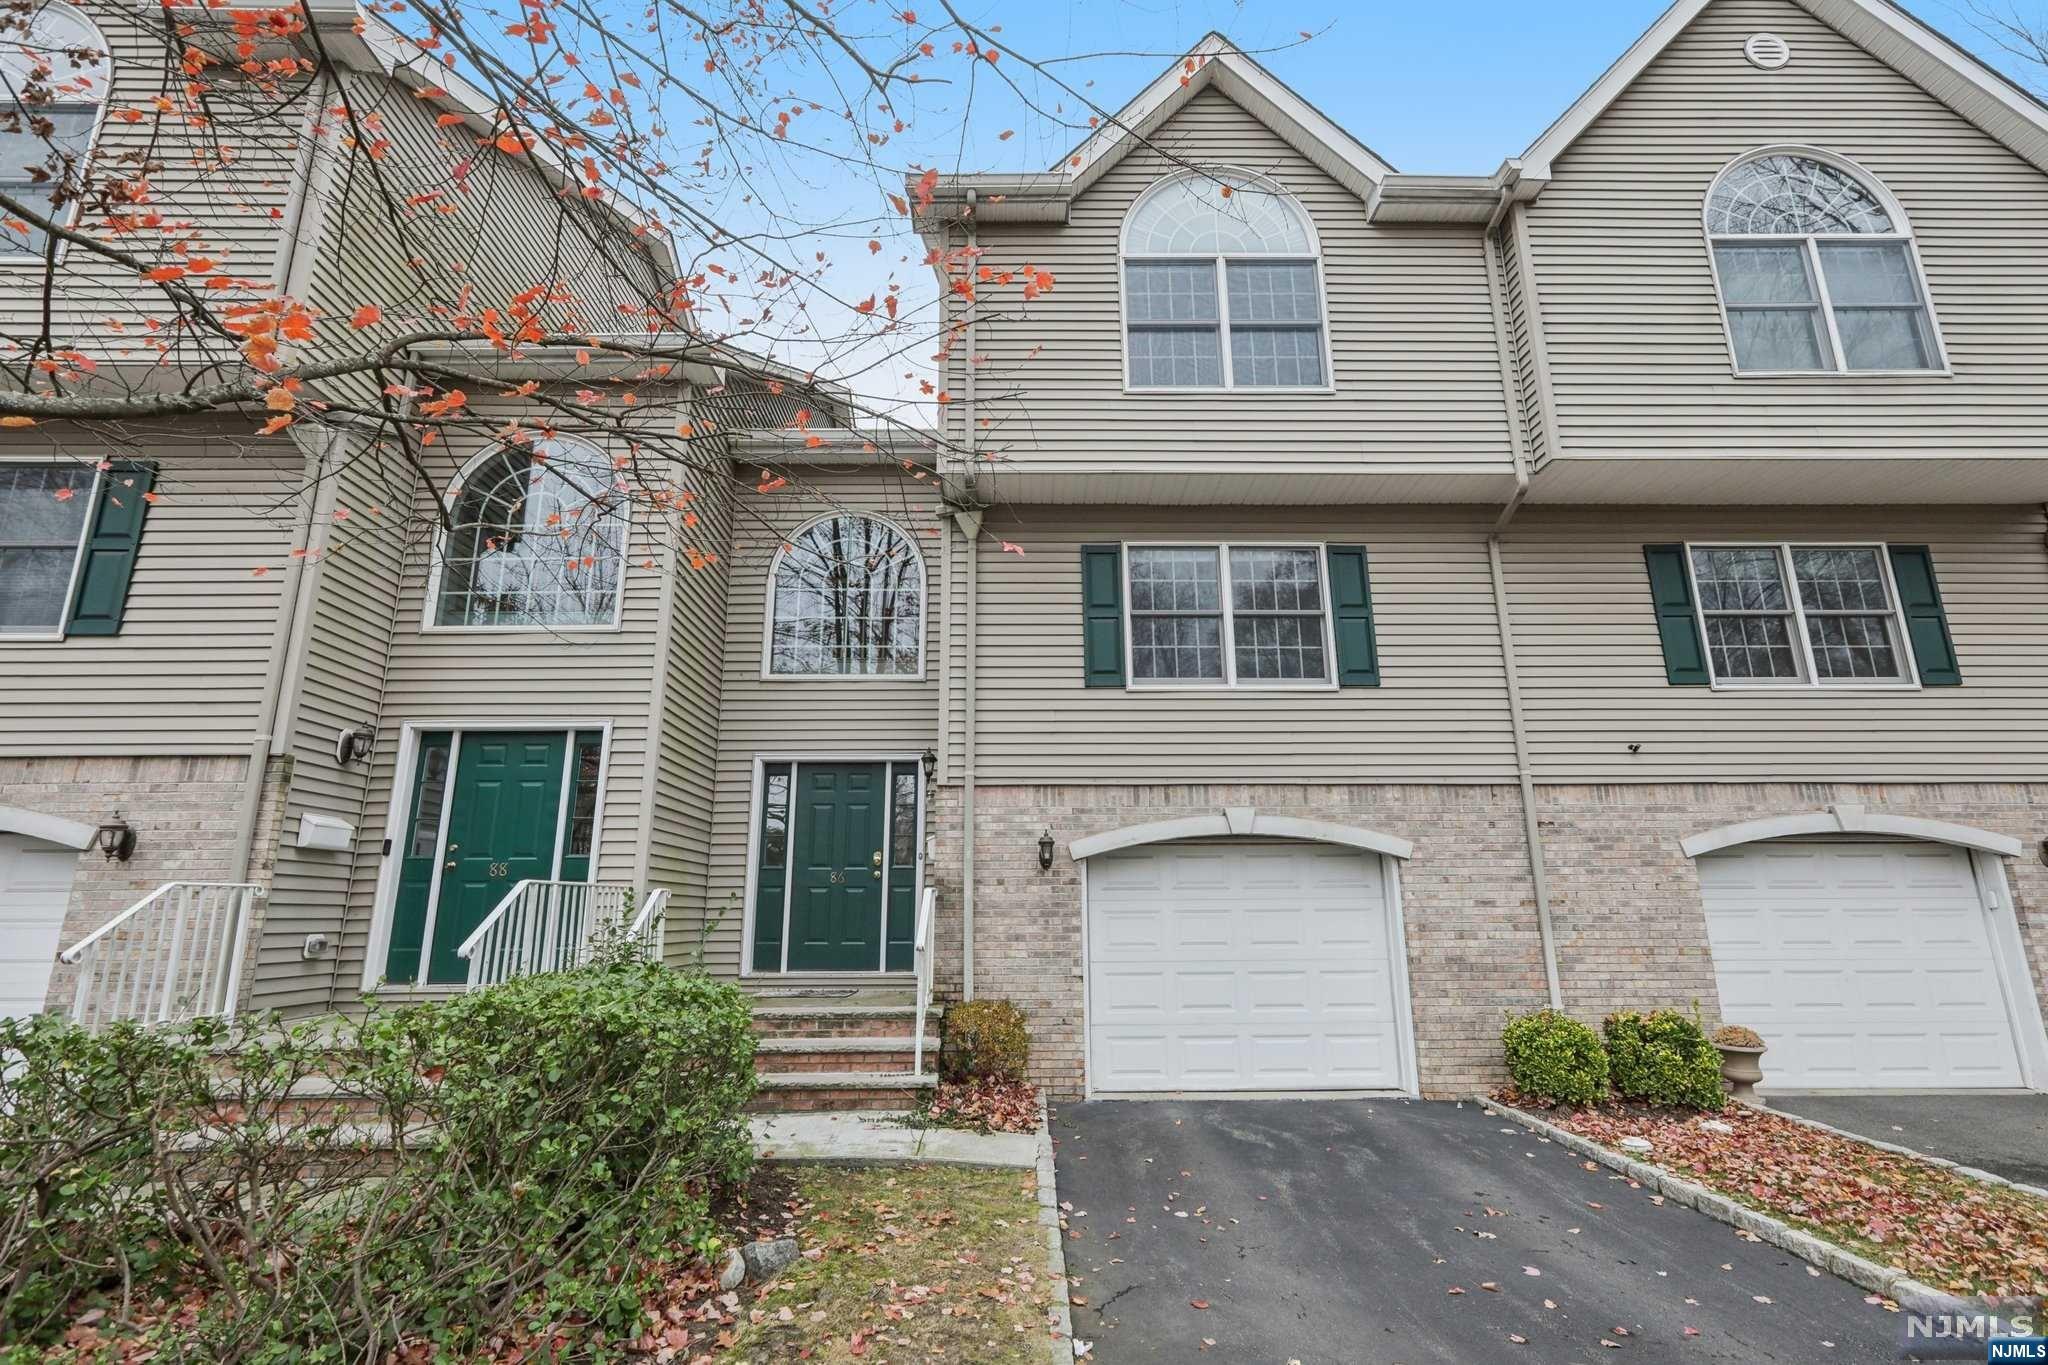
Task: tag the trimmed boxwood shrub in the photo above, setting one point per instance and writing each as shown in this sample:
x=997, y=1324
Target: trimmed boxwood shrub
x=1663, y=1058
x=1553, y=1056
x=984, y=1040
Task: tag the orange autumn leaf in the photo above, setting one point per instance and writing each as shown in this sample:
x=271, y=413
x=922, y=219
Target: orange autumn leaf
x=366, y=315
x=280, y=399
x=17, y=421
x=165, y=273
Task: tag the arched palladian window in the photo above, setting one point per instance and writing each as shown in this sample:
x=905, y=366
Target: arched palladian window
x=1263, y=328
x=55, y=69
x=847, y=600
x=1816, y=268
x=538, y=541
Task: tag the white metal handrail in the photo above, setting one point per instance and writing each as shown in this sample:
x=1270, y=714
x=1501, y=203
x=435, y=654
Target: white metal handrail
x=923, y=962
x=649, y=928
x=174, y=955
x=541, y=926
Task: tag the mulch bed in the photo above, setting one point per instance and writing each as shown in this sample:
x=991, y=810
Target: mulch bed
x=1943, y=1229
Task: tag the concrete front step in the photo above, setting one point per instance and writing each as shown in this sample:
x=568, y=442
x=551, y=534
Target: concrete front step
x=886, y=1054
x=806, y=1091
x=840, y=1021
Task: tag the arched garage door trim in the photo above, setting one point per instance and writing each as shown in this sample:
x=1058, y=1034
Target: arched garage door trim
x=1986, y=849
x=53, y=829
x=1240, y=822
x=1848, y=818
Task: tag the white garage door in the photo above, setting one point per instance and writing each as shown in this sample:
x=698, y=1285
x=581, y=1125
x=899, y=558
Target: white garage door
x=1861, y=964
x=35, y=886
x=1241, y=966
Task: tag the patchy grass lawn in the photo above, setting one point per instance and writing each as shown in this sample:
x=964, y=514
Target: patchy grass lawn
x=907, y=1263
x=1943, y=1229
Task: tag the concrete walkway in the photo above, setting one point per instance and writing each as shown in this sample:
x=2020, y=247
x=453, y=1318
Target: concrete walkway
x=860, y=1138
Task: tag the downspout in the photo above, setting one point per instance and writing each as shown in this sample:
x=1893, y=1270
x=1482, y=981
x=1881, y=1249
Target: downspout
x=286, y=637
x=969, y=522
x=1525, y=776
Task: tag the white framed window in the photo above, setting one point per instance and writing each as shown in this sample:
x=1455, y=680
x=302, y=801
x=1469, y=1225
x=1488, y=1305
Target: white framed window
x=1795, y=614
x=1816, y=269
x=1227, y=615
x=537, y=542
x=846, y=600
x=1222, y=287
x=45, y=516
x=55, y=70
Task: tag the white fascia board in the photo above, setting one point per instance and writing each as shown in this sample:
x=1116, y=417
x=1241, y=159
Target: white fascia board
x=1919, y=53
x=1215, y=61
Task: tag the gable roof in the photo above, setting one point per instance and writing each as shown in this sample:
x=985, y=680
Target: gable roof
x=1916, y=51
x=1216, y=61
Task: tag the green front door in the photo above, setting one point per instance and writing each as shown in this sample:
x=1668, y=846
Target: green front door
x=836, y=885
x=504, y=812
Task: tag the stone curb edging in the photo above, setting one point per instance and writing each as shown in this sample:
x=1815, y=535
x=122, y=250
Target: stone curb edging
x=1909, y=1293
x=1056, y=1252
x=1954, y=1168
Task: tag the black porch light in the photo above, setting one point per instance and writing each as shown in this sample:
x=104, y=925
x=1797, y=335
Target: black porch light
x=931, y=764
x=117, y=839
x=1045, y=851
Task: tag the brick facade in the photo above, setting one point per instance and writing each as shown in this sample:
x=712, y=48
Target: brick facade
x=1625, y=899
x=184, y=811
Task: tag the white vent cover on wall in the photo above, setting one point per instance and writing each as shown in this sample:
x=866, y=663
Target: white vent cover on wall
x=1767, y=51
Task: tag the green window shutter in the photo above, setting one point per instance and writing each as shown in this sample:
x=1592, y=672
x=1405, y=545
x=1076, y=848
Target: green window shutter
x=110, y=550
x=1358, y=650
x=1926, y=622
x=1102, y=615
x=1685, y=662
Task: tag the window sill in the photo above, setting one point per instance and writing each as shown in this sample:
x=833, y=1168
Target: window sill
x=10, y=638
x=1802, y=686
x=1227, y=391
x=1886, y=376
x=1232, y=689
x=615, y=628
x=837, y=678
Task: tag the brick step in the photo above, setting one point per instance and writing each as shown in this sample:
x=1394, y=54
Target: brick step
x=808, y=1091
x=889, y=1054
x=840, y=1021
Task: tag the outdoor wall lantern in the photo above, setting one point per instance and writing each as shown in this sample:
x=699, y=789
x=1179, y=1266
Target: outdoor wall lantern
x=351, y=745
x=931, y=764
x=1045, y=851
x=117, y=839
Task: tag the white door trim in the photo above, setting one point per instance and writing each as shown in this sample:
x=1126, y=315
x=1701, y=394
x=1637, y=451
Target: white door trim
x=51, y=829
x=757, y=788
x=1849, y=817
x=2009, y=953
x=403, y=774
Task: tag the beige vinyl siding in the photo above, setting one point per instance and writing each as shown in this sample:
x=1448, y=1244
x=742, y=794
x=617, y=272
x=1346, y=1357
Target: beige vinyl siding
x=1593, y=674
x=186, y=674
x=514, y=679
x=1417, y=371
x=1439, y=715
x=1637, y=351
x=1522, y=342
x=346, y=639
x=892, y=717
x=226, y=179
x=680, y=855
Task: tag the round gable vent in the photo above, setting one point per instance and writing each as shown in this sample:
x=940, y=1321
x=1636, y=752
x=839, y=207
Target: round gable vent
x=1767, y=51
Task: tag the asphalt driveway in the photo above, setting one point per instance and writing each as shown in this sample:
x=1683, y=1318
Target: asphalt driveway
x=2004, y=1133
x=1342, y=1232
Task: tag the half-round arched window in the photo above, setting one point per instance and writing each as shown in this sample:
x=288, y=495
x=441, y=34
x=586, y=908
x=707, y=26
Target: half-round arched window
x=537, y=540
x=54, y=72
x=1816, y=267
x=847, y=600
x=1222, y=287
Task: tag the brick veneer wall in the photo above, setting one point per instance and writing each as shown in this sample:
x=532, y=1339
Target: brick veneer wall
x=1625, y=899
x=184, y=810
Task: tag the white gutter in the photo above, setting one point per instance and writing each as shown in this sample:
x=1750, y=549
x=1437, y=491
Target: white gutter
x=969, y=523
x=1525, y=777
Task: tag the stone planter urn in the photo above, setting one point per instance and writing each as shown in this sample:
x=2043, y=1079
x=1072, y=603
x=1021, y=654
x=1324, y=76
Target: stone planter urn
x=1741, y=1069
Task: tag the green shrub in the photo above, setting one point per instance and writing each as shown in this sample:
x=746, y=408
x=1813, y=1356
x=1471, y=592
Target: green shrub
x=558, y=1136
x=984, y=1040
x=1663, y=1058
x=1555, y=1057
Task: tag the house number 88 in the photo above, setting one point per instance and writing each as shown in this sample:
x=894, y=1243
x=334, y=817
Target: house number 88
x=499, y=869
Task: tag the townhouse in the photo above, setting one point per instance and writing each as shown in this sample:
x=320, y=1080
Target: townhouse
x=1344, y=607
